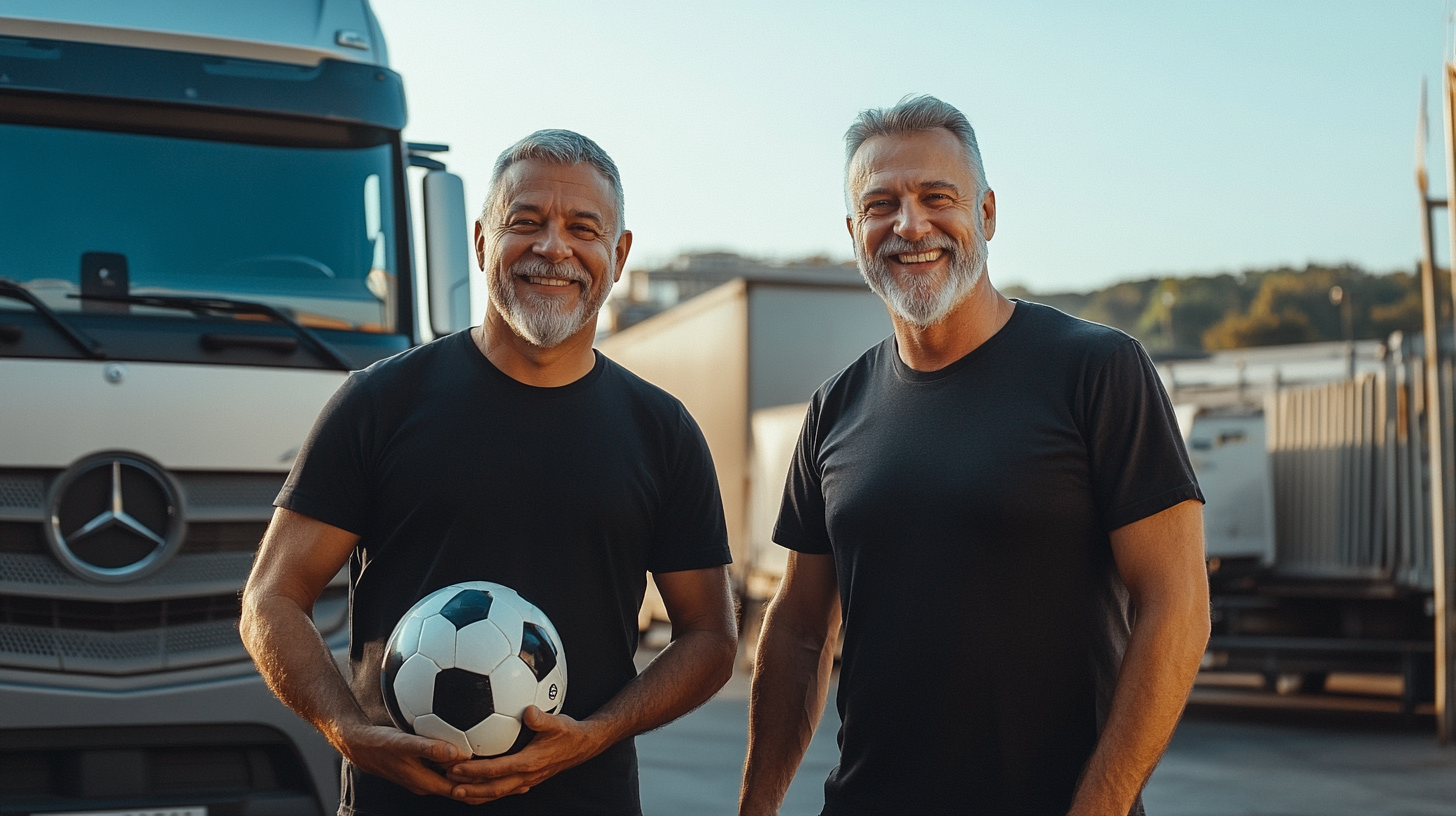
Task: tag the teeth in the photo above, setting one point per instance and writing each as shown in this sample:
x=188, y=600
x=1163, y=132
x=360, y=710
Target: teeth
x=549, y=281
x=922, y=257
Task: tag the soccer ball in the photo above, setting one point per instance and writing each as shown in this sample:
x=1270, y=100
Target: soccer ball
x=463, y=664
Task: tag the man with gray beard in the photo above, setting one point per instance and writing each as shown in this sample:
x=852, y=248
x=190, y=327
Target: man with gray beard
x=996, y=505
x=514, y=453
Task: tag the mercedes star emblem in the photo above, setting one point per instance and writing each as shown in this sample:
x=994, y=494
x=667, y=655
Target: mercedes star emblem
x=114, y=517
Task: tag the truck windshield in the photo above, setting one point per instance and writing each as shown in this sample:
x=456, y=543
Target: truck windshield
x=308, y=230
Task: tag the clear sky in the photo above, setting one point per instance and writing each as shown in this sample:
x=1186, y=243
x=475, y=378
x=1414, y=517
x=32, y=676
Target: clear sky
x=1123, y=139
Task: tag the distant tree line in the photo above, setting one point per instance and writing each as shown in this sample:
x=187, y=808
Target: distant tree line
x=1263, y=307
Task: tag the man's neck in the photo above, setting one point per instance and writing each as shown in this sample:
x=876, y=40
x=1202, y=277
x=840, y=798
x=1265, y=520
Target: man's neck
x=972, y=322
x=524, y=362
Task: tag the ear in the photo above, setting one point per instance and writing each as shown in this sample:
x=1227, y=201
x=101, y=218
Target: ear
x=624, y=245
x=849, y=225
x=479, y=247
x=988, y=213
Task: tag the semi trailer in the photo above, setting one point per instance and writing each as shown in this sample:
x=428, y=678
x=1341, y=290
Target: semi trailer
x=1317, y=523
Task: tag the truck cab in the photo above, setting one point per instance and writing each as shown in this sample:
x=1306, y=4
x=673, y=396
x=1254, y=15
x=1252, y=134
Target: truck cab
x=205, y=225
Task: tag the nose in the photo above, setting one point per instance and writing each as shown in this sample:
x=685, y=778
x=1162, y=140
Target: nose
x=552, y=245
x=912, y=222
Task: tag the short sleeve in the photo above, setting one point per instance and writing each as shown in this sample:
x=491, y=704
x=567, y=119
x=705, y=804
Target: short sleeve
x=801, y=525
x=330, y=480
x=1138, y=460
x=690, y=531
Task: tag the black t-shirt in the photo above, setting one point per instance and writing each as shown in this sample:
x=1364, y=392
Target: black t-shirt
x=968, y=512
x=451, y=471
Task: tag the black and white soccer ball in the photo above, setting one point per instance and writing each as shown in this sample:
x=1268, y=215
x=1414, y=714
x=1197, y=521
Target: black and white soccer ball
x=465, y=662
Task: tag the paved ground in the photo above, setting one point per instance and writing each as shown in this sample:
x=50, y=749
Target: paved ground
x=693, y=766
x=1255, y=762
x=1252, y=756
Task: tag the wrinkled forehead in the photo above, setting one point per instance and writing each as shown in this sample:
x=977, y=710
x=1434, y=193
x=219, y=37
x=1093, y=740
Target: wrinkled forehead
x=909, y=161
x=574, y=187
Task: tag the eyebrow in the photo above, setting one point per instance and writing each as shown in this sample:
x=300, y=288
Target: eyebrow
x=588, y=215
x=585, y=215
x=939, y=184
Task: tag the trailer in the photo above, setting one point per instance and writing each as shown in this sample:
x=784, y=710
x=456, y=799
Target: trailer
x=744, y=358
x=1317, y=527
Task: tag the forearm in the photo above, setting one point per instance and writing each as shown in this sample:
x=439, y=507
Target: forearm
x=790, y=684
x=684, y=676
x=297, y=665
x=1157, y=672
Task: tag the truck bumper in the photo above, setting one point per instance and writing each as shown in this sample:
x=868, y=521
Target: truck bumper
x=140, y=728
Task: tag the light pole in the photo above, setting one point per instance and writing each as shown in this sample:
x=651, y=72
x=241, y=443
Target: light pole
x=1341, y=300
x=1168, y=299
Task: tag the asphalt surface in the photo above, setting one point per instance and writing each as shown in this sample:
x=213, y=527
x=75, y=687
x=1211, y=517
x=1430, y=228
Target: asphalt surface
x=1251, y=755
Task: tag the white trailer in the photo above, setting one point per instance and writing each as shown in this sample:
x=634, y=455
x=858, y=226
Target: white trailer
x=205, y=221
x=1317, y=522
x=745, y=358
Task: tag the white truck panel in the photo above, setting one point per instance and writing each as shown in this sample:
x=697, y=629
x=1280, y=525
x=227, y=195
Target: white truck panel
x=1232, y=463
x=184, y=417
x=293, y=31
x=775, y=433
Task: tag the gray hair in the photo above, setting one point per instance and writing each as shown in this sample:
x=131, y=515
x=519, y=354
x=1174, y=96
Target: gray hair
x=557, y=147
x=913, y=114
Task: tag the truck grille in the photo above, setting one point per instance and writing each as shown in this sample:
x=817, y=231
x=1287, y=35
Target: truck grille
x=183, y=615
x=202, y=537
x=132, y=638
x=34, y=647
x=92, y=616
x=23, y=489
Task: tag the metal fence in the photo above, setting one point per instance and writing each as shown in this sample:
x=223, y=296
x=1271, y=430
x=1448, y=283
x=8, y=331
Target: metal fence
x=1351, y=471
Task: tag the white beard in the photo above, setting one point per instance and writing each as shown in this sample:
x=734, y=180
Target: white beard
x=926, y=300
x=543, y=320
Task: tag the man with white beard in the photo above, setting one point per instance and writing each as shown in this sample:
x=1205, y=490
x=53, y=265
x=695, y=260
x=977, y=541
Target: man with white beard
x=514, y=453
x=997, y=506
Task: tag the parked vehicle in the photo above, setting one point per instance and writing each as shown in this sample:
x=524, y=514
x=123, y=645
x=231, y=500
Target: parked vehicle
x=1317, y=528
x=204, y=210
x=744, y=358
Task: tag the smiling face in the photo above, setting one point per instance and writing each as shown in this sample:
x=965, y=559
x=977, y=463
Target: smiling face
x=919, y=226
x=550, y=249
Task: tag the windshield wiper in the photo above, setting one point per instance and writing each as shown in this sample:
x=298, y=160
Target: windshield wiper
x=201, y=305
x=12, y=290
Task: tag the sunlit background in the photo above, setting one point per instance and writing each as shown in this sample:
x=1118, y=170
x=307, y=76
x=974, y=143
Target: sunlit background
x=1124, y=140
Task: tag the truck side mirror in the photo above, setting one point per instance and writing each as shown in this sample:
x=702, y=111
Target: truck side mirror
x=447, y=252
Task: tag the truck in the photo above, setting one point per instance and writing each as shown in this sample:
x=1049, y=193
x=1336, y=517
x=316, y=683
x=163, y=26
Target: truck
x=1318, y=507
x=205, y=216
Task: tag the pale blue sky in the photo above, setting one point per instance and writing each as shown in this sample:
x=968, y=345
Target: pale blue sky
x=1123, y=139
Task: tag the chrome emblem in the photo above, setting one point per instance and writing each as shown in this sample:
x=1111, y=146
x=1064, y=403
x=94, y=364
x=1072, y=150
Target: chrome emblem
x=114, y=517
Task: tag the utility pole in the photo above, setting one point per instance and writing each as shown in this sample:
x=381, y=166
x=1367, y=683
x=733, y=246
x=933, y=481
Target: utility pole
x=1340, y=299
x=1443, y=556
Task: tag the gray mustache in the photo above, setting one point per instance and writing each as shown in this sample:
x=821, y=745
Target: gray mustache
x=538, y=268
x=895, y=245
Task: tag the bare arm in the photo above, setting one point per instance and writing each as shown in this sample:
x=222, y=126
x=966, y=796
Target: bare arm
x=298, y=557
x=790, y=680
x=697, y=663
x=1161, y=561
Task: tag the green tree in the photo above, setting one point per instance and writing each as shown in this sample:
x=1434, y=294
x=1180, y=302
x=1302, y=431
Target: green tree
x=1256, y=307
x=1295, y=306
